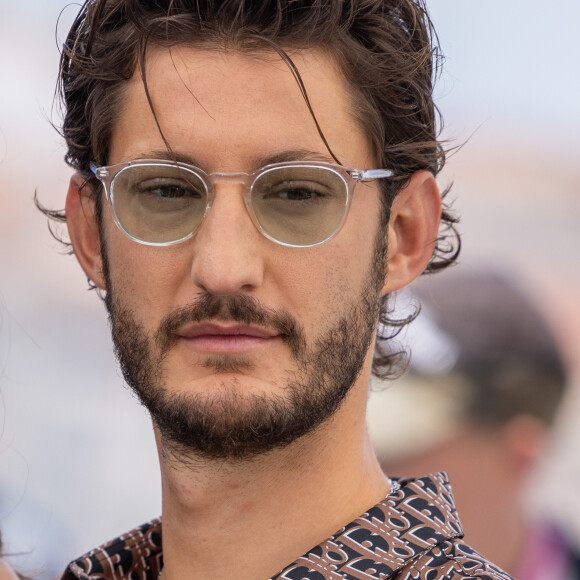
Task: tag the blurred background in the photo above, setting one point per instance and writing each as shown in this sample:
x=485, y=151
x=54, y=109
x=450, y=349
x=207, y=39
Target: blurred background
x=77, y=456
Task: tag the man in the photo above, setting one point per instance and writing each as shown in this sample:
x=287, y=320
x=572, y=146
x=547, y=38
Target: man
x=489, y=376
x=215, y=207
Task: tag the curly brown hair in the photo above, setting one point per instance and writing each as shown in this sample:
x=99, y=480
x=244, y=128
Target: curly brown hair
x=386, y=49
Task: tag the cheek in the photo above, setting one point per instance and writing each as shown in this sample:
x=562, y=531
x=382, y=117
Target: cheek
x=145, y=279
x=318, y=284
x=343, y=264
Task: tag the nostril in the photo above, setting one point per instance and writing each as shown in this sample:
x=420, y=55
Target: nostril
x=228, y=253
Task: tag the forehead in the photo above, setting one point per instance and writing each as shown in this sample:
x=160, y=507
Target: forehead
x=227, y=108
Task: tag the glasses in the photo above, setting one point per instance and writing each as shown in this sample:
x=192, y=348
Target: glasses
x=296, y=204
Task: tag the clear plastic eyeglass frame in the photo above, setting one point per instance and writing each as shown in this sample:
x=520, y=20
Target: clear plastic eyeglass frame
x=348, y=177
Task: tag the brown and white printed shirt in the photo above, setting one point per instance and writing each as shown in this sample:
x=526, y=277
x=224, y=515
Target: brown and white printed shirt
x=413, y=534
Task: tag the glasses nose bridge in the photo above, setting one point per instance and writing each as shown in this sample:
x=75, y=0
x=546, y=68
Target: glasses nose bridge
x=231, y=178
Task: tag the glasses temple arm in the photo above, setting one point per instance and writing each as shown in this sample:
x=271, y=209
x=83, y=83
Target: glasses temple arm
x=368, y=174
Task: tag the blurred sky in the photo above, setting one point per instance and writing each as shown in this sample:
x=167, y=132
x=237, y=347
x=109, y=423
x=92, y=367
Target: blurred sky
x=77, y=462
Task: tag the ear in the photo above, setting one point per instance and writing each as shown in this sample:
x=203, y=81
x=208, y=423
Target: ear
x=83, y=229
x=412, y=231
x=524, y=440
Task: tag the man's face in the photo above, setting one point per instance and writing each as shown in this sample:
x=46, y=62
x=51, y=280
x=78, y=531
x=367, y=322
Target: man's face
x=237, y=344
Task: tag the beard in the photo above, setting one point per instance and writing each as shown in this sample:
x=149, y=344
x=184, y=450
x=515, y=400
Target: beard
x=230, y=423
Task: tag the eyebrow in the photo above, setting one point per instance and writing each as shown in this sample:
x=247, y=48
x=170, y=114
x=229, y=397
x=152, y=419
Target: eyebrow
x=255, y=162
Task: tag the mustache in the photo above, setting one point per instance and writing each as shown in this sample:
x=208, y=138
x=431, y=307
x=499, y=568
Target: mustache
x=243, y=309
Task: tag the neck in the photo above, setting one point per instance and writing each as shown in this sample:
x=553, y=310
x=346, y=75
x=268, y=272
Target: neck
x=249, y=519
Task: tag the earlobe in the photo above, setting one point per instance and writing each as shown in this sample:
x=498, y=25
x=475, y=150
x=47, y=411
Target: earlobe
x=412, y=231
x=83, y=229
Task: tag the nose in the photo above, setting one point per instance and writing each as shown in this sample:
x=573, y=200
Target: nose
x=228, y=250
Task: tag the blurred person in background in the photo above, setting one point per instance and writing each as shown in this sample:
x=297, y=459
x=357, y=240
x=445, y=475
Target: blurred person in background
x=486, y=378
x=209, y=206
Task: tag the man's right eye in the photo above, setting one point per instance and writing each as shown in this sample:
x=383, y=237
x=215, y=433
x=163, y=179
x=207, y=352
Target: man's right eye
x=168, y=189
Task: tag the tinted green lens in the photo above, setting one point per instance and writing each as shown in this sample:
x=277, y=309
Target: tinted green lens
x=301, y=205
x=158, y=203
x=298, y=205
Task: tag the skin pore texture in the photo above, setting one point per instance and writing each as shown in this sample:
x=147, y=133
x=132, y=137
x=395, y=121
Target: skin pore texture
x=254, y=358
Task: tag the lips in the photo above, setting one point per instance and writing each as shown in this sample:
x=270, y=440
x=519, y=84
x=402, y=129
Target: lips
x=223, y=337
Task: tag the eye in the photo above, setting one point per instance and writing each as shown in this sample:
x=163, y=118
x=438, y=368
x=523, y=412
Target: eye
x=297, y=191
x=296, y=194
x=168, y=188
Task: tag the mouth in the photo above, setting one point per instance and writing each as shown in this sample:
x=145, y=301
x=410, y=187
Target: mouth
x=222, y=338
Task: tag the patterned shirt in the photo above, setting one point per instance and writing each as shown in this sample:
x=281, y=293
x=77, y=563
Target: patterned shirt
x=413, y=534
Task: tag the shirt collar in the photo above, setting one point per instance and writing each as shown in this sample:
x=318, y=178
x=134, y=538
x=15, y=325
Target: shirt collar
x=417, y=515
